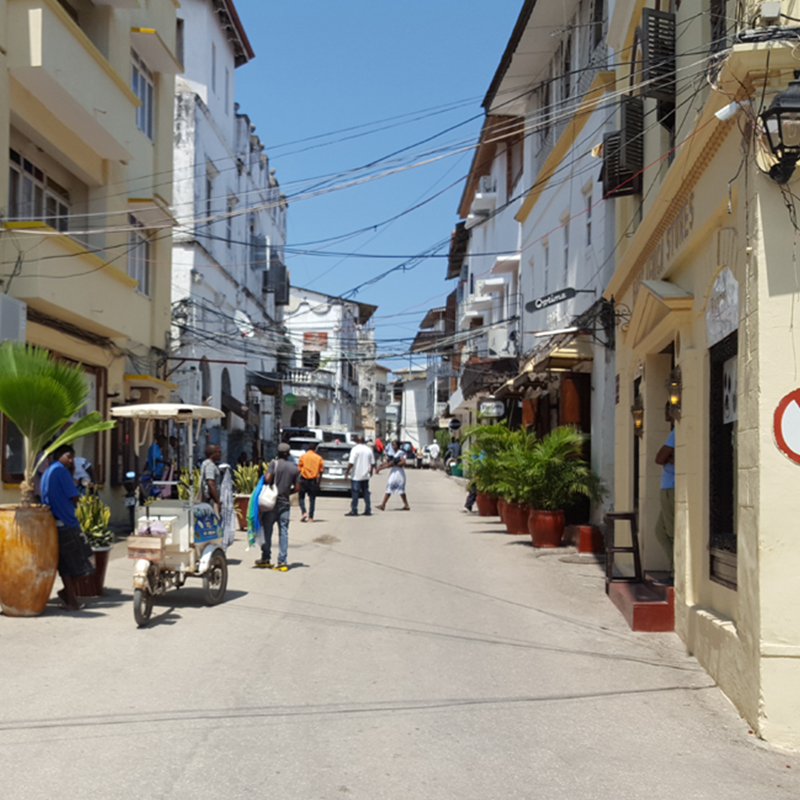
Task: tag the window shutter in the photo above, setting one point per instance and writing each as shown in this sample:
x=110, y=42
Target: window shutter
x=632, y=129
x=281, y=285
x=658, y=54
x=611, y=174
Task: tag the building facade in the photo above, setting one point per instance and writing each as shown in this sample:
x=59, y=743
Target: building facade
x=229, y=283
x=86, y=97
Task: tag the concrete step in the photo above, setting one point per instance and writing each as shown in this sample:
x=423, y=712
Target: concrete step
x=645, y=606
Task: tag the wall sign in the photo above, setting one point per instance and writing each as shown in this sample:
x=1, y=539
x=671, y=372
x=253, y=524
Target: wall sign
x=786, y=426
x=549, y=300
x=290, y=399
x=492, y=408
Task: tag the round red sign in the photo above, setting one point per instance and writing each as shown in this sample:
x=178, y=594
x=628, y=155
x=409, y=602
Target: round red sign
x=786, y=426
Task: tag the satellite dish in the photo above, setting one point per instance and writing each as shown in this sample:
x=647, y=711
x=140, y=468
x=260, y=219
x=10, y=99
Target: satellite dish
x=243, y=324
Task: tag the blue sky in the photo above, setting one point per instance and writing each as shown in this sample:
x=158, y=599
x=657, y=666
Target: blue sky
x=322, y=67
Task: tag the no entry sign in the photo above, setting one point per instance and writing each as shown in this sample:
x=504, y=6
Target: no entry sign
x=786, y=426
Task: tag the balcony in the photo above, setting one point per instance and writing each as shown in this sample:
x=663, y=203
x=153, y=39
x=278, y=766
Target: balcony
x=309, y=377
x=62, y=279
x=54, y=60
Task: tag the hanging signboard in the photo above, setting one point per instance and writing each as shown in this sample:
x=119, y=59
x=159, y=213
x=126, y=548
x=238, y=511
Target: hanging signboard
x=492, y=408
x=786, y=426
x=550, y=300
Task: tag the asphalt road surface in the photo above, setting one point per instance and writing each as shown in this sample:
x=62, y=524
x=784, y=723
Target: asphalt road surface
x=422, y=654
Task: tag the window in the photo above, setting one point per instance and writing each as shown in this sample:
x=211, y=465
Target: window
x=567, y=70
x=213, y=68
x=209, y=193
x=142, y=85
x=32, y=195
x=546, y=249
x=599, y=13
x=514, y=162
x=227, y=90
x=229, y=222
x=139, y=256
x=566, y=253
x=588, y=199
x=179, y=40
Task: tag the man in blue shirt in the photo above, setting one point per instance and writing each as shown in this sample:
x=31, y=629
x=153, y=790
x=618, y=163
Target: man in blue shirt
x=60, y=493
x=665, y=527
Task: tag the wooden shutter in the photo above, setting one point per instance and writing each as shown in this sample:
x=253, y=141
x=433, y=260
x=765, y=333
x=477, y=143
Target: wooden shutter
x=623, y=151
x=658, y=54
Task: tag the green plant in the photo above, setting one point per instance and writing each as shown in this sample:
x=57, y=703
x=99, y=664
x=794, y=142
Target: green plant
x=40, y=395
x=488, y=456
x=245, y=478
x=93, y=516
x=558, y=472
x=183, y=482
x=443, y=439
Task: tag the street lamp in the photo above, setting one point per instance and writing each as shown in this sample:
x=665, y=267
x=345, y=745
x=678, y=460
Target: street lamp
x=782, y=124
x=637, y=412
x=675, y=387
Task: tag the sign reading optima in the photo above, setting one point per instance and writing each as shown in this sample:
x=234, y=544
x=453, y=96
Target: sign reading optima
x=549, y=300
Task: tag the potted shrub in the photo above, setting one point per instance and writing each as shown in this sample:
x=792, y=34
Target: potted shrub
x=39, y=395
x=487, y=442
x=93, y=515
x=245, y=478
x=514, y=466
x=558, y=474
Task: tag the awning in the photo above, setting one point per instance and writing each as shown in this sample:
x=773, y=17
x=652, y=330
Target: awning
x=152, y=212
x=483, y=375
x=149, y=382
x=565, y=357
x=234, y=406
x=151, y=47
x=265, y=382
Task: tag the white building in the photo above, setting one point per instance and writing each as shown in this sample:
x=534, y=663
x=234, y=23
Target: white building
x=413, y=415
x=229, y=281
x=327, y=338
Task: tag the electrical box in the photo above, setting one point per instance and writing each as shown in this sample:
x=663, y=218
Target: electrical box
x=771, y=13
x=13, y=318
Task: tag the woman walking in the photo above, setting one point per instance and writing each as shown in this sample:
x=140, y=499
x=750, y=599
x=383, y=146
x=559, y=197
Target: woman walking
x=397, y=478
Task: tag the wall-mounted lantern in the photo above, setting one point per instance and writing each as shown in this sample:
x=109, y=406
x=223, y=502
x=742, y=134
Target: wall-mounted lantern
x=675, y=388
x=637, y=412
x=781, y=122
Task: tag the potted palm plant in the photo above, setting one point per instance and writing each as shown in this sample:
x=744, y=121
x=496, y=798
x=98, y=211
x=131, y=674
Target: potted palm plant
x=487, y=442
x=39, y=395
x=558, y=475
x=93, y=515
x=514, y=482
x=245, y=478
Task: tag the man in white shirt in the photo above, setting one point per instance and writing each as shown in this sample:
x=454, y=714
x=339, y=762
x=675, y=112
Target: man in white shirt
x=434, y=450
x=362, y=462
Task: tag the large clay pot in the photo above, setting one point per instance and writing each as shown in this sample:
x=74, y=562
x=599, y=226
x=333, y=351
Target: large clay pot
x=501, y=508
x=546, y=528
x=487, y=505
x=28, y=559
x=516, y=518
x=240, y=503
x=92, y=585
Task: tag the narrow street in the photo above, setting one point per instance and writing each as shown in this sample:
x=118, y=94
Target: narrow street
x=408, y=655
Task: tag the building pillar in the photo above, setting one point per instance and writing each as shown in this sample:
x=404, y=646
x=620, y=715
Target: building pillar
x=311, y=418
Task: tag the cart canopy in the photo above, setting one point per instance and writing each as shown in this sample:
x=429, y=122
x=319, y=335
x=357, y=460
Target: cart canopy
x=179, y=412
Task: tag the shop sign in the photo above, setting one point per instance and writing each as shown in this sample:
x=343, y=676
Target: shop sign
x=786, y=426
x=290, y=399
x=492, y=408
x=550, y=300
x=671, y=242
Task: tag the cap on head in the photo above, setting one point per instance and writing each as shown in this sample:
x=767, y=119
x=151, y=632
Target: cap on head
x=283, y=447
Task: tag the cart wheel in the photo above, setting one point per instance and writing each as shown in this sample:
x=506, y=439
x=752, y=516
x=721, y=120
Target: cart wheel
x=142, y=606
x=215, y=579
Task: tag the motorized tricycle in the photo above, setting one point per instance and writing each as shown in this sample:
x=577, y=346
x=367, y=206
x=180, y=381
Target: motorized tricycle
x=175, y=539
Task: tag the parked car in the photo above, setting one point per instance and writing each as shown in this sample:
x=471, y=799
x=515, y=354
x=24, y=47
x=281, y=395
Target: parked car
x=334, y=457
x=410, y=455
x=298, y=445
x=291, y=433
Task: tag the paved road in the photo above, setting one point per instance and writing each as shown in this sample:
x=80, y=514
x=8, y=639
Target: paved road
x=420, y=654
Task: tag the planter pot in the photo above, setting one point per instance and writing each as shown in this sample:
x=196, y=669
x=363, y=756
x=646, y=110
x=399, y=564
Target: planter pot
x=487, y=505
x=501, y=509
x=92, y=585
x=240, y=503
x=546, y=528
x=516, y=518
x=28, y=559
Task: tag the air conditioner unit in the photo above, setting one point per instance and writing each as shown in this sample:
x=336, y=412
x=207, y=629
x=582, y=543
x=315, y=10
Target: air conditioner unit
x=13, y=319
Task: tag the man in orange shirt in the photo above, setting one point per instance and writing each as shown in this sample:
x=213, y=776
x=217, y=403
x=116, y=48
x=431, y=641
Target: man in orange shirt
x=310, y=465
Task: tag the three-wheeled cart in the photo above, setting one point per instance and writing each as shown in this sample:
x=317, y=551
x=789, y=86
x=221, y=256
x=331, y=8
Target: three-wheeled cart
x=174, y=539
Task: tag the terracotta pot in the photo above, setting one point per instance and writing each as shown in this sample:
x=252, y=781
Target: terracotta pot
x=240, y=503
x=546, y=527
x=501, y=508
x=92, y=585
x=516, y=518
x=487, y=505
x=28, y=559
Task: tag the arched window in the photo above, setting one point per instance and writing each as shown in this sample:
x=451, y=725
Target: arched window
x=205, y=382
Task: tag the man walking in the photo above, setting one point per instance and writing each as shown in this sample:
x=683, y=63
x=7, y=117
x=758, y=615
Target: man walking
x=665, y=527
x=60, y=493
x=362, y=463
x=311, y=466
x=286, y=478
x=211, y=478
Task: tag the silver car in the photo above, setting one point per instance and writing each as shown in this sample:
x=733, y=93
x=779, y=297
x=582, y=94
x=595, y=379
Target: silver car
x=335, y=457
x=298, y=445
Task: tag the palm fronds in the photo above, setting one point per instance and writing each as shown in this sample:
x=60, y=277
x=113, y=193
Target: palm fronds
x=40, y=395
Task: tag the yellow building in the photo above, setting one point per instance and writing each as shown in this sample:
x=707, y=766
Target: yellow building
x=706, y=288
x=86, y=119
